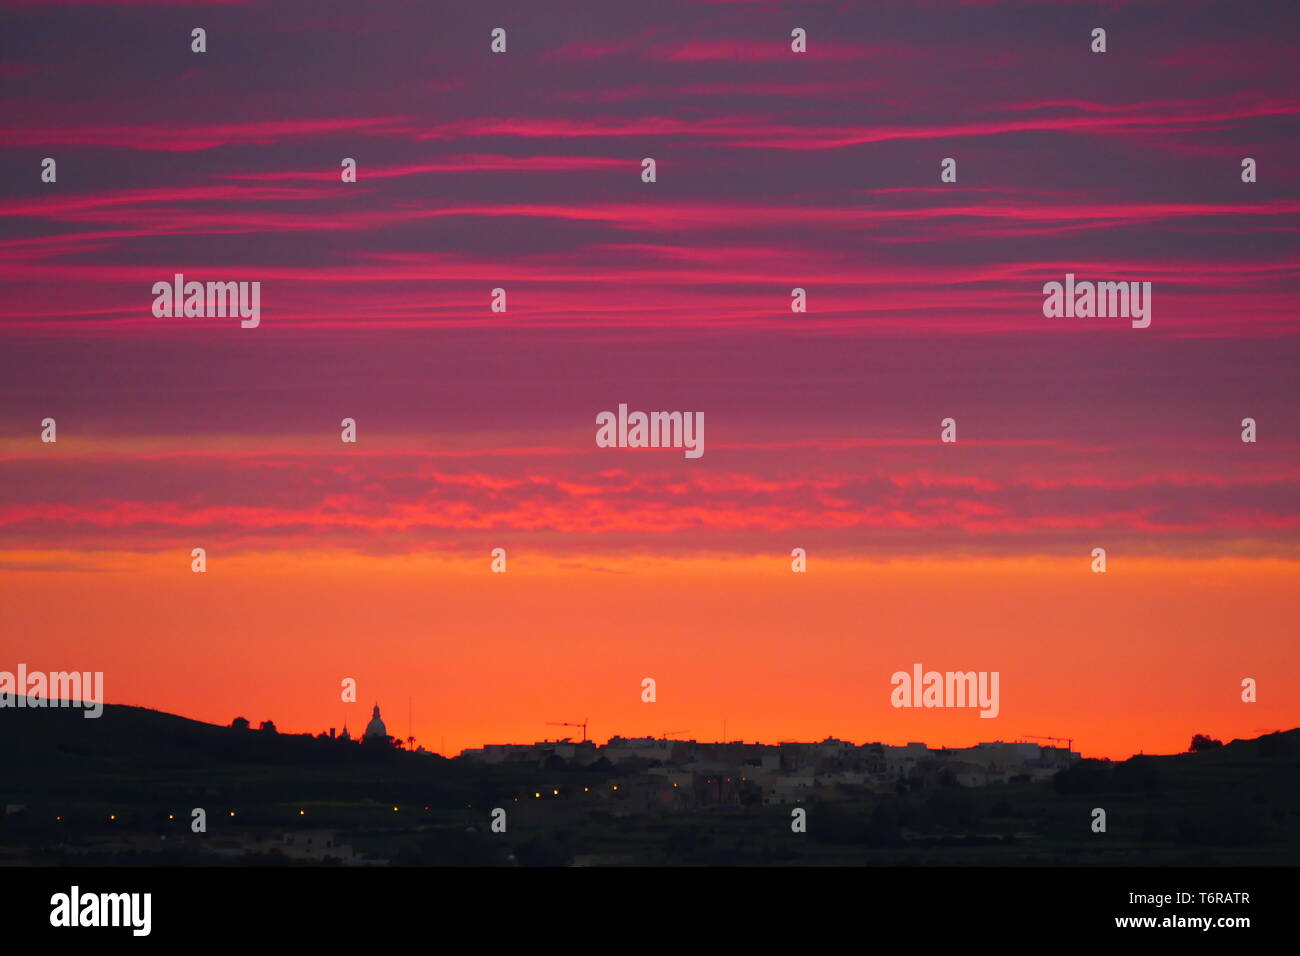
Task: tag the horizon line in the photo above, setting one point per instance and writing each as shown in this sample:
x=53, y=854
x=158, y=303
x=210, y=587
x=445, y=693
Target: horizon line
x=63, y=703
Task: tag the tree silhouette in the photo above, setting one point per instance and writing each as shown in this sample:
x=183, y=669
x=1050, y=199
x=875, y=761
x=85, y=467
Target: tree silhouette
x=1203, y=742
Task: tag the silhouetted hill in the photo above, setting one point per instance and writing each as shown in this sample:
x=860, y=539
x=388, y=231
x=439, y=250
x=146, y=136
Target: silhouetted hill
x=134, y=753
x=1272, y=762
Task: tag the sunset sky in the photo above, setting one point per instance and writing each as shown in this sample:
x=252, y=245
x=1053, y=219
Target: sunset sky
x=476, y=429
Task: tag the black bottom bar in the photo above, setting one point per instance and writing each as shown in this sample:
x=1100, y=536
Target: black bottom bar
x=206, y=905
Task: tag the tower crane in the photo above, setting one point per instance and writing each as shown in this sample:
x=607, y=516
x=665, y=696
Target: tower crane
x=567, y=723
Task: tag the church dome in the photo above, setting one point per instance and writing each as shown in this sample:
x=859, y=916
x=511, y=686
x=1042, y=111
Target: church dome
x=376, y=726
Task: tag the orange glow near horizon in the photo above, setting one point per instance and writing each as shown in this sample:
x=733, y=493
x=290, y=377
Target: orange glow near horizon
x=1138, y=659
